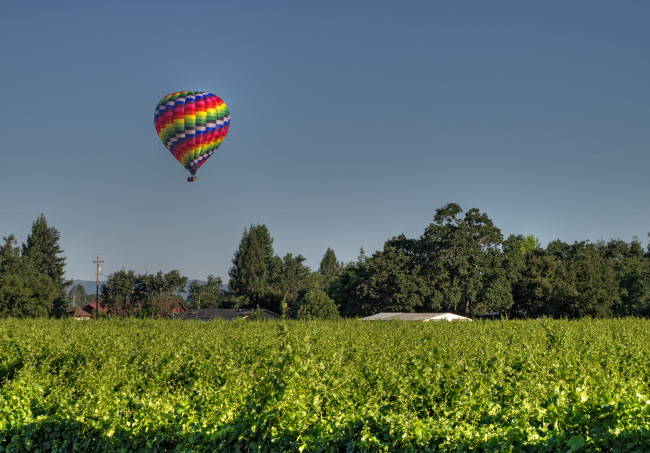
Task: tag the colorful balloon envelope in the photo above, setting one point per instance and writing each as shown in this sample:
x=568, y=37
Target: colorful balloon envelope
x=192, y=125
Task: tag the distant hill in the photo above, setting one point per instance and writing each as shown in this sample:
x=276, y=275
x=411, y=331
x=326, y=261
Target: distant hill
x=90, y=286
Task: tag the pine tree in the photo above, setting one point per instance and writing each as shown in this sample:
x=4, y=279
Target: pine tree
x=9, y=255
x=254, y=265
x=77, y=296
x=328, y=265
x=43, y=254
x=362, y=255
x=23, y=293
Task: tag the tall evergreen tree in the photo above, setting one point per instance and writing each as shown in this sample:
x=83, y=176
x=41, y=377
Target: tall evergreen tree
x=254, y=266
x=362, y=255
x=44, y=255
x=23, y=292
x=329, y=265
x=77, y=296
x=9, y=255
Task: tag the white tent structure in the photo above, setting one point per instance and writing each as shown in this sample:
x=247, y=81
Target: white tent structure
x=399, y=316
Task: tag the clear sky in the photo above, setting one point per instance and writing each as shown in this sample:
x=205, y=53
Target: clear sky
x=352, y=122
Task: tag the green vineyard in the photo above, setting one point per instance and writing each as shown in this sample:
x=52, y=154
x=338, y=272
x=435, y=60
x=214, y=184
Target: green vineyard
x=139, y=385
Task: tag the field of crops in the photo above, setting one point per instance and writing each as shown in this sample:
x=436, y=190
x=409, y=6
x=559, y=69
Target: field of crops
x=138, y=385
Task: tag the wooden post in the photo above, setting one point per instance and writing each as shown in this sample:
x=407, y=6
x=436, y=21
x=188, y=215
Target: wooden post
x=97, y=293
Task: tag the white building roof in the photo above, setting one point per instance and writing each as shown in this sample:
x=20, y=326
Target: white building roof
x=400, y=316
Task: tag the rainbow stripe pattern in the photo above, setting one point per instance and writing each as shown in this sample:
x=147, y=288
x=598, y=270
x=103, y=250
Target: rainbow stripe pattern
x=192, y=125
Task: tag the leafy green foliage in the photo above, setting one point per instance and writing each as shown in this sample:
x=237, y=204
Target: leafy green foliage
x=316, y=304
x=118, y=293
x=150, y=291
x=389, y=281
x=206, y=295
x=632, y=271
x=27, y=295
x=128, y=293
x=288, y=280
x=142, y=385
x=592, y=279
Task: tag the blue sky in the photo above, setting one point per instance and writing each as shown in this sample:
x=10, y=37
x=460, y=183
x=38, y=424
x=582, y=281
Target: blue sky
x=352, y=122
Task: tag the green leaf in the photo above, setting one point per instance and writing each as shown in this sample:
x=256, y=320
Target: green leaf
x=576, y=442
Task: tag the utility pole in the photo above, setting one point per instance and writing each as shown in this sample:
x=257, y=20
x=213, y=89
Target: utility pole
x=97, y=294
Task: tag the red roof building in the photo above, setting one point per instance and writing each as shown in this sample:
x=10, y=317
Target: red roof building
x=169, y=307
x=175, y=306
x=92, y=307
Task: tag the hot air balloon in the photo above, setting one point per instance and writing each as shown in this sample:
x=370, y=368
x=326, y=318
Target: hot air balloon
x=192, y=125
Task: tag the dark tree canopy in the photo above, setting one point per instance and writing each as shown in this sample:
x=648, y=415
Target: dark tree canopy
x=118, y=294
x=254, y=265
x=288, y=280
x=207, y=295
x=632, y=273
x=389, y=281
x=316, y=304
x=461, y=260
x=593, y=290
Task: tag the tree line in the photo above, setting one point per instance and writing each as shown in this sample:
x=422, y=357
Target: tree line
x=461, y=263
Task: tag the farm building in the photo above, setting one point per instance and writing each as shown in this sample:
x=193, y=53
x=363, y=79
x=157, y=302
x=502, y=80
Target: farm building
x=169, y=306
x=91, y=307
x=228, y=314
x=78, y=314
x=398, y=316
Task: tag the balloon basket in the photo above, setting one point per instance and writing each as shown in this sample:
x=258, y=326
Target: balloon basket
x=191, y=179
